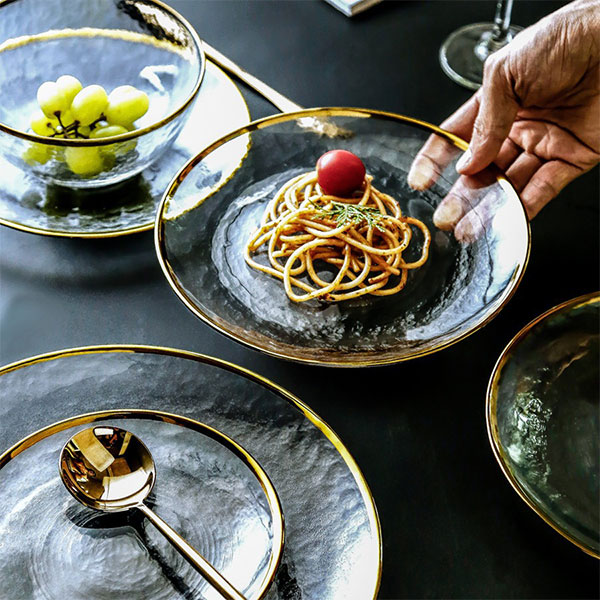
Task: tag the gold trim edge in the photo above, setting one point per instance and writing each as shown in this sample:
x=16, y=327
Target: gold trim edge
x=195, y=425
x=111, y=233
x=491, y=403
x=323, y=112
x=313, y=417
x=138, y=132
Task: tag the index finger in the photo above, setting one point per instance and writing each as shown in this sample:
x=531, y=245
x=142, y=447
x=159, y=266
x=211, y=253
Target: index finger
x=438, y=152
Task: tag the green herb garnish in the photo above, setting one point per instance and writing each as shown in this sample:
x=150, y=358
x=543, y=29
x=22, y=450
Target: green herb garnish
x=343, y=213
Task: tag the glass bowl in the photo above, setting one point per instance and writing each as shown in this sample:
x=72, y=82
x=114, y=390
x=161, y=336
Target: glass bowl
x=28, y=204
x=215, y=203
x=134, y=42
x=543, y=420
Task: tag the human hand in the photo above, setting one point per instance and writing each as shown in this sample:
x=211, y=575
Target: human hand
x=536, y=116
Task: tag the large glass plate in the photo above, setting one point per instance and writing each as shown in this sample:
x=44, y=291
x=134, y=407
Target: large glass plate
x=544, y=419
x=28, y=204
x=217, y=200
x=332, y=536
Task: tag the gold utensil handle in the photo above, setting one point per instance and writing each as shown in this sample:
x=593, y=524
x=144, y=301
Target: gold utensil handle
x=275, y=98
x=193, y=556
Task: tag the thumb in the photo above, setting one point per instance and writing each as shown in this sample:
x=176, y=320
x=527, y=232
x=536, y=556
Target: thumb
x=498, y=108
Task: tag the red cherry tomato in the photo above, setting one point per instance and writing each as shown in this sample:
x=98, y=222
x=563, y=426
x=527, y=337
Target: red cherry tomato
x=340, y=172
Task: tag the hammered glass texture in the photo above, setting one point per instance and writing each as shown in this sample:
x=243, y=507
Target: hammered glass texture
x=205, y=226
x=206, y=493
x=133, y=42
x=548, y=419
x=25, y=201
x=331, y=534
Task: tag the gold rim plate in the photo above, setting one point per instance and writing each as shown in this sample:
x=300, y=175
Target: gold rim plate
x=185, y=422
x=187, y=370
x=169, y=211
x=504, y=361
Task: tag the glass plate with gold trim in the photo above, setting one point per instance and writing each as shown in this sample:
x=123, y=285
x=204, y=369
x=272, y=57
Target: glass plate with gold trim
x=27, y=204
x=332, y=536
x=544, y=420
x=217, y=201
x=208, y=487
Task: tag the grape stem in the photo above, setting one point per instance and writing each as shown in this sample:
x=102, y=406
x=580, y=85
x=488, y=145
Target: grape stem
x=57, y=114
x=73, y=128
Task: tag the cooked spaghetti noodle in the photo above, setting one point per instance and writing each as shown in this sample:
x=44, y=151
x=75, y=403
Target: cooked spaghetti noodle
x=362, y=237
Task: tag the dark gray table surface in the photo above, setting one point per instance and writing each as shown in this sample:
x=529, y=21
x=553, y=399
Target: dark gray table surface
x=452, y=525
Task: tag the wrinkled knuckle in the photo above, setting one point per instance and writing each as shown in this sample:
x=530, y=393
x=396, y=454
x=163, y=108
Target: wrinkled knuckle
x=486, y=133
x=543, y=190
x=480, y=130
x=492, y=68
x=496, y=74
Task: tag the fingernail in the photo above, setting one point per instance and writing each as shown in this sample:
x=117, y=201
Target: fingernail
x=448, y=213
x=421, y=174
x=464, y=160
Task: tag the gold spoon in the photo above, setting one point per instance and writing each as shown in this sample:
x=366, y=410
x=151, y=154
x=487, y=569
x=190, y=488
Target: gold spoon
x=319, y=126
x=110, y=469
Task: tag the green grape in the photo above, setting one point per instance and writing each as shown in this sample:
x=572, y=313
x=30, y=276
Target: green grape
x=84, y=161
x=37, y=153
x=51, y=99
x=43, y=125
x=69, y=86
x=108, y=157
x=89, y=104
x=126, y=104
x=84, y=131
x=99, y=124
x=118, y=148
x=107, y=131
x=124, y=89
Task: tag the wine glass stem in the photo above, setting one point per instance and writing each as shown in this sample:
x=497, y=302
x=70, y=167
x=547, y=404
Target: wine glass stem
x=499, y=36
x=502, y=20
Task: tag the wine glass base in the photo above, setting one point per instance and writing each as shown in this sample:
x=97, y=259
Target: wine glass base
x=462, y=55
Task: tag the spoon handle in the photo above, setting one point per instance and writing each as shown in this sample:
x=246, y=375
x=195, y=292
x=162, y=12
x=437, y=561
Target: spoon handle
x=193, y=556
x=278, y=100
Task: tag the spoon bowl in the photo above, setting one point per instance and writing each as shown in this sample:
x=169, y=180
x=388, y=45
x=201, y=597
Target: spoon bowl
x=107, y=468
x=110, y=469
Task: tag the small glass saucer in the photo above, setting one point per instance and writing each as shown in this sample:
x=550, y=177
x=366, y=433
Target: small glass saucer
x=27, y=204
x=332, y=545
x=208, y=488
x=543, y=419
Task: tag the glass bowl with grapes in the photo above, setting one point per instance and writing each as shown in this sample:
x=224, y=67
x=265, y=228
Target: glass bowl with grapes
x=93, y=92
